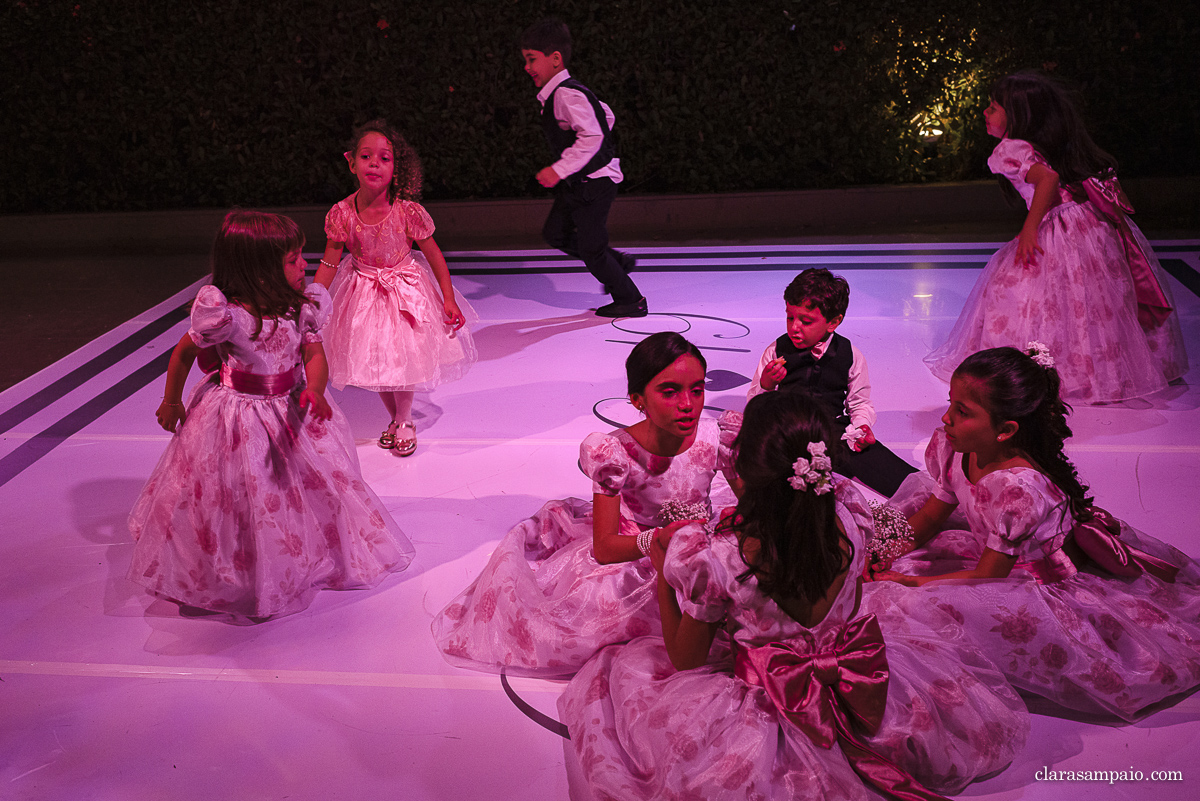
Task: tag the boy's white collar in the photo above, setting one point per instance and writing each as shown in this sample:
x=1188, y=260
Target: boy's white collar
x=551, y=85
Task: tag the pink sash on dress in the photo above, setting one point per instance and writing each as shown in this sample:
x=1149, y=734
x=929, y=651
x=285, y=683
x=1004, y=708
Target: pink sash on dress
x=1100, y=539
x=257, y=384
x=402, y=279
x=818, y=693
x=1110, y=201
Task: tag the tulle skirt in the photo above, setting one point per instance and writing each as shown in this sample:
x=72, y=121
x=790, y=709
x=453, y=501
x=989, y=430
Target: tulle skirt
x=1078, y=299
x=255, y=506
x=543, y=604
x=1095, y=643
x=374, y=342
x=641, y=730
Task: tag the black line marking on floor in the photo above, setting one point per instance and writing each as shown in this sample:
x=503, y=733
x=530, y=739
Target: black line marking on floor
x=726, y=268
x=701, y=347
x=29, y=452
x=749, y=253
x=1182, y=273
x=540, y=718
x=91, y=368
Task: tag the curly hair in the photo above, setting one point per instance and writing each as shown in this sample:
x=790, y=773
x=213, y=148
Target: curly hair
x=407, y=175
x=247, y=263
x=1015, y=387
x=801, y=549
x=826, y=291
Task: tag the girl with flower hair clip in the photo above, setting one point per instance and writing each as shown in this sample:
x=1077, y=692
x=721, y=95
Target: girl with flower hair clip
x=398, y=323
x=827, y=691
x=1073, y=604
x=1080, y=276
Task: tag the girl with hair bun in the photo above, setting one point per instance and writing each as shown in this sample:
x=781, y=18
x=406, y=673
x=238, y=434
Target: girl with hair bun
x=1075, y=605
x=575, y=577
x=822, y=695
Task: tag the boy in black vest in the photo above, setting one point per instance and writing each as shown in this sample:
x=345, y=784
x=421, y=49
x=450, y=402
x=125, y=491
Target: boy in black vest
x=811, y=358
x=586, y=175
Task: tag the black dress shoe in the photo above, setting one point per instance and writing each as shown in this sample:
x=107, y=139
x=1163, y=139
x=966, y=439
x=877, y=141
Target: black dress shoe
x=635, y=309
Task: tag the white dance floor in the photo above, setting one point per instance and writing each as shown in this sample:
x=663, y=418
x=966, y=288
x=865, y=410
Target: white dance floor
x=108, y=694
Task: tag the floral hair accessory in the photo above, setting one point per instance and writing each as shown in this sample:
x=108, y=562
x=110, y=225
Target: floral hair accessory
x=1040, y=354
x=816, y=472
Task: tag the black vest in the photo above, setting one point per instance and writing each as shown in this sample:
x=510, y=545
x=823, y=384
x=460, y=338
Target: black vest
x=560, y=140
x=827, y=379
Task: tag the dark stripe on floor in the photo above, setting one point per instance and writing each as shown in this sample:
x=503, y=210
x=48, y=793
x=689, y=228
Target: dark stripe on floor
x=91, y=368
x=30, y=451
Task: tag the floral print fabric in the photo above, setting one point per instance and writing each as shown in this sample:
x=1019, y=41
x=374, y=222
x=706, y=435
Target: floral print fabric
x=543, y=604
x=642, y=730
x=1093, y=642
x=1077, y=298
x=255, y=506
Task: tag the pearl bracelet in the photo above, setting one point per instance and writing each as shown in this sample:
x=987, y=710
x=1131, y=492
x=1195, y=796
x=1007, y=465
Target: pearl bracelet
x=329, y=265
x=645, y=540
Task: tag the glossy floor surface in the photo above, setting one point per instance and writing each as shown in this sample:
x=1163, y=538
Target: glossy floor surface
x=108, y=694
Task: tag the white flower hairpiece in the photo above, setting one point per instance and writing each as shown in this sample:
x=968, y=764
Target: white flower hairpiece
x=1040, y=354
x=816, y=472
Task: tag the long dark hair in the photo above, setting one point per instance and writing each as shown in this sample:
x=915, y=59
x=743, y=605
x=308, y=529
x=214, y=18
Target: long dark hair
x=407, y=175
x=1017, y=388
x=1041, y=110
x=247, y=263
x=800, y=545
x=654, y=354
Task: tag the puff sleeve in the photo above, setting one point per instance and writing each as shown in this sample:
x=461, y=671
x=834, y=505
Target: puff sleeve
x=697, y=573
x=337, y=223
x=1011, y=506
x=212, y=319
x=729, y=424
x=939, y=461
x=314, y=316
x=417, y=221
x=1013, y=158
x=605, y=462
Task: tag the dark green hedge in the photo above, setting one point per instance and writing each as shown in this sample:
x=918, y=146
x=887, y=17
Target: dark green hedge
x=141, y=104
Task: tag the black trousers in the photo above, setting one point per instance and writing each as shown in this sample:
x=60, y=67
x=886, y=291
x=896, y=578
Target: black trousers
x=875, y=465
x=578, y=226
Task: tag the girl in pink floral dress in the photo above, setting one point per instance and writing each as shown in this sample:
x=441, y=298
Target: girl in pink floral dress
x=1080, y=278
x=258, y=501
x=824, y=695
x=575, y=577
x=397, y=324
x=1074, y=605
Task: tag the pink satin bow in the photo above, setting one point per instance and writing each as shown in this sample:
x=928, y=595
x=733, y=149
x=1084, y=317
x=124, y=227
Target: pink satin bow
x=1108, y=199
x=1100, y=538
x=400, y=278
x=818, y=693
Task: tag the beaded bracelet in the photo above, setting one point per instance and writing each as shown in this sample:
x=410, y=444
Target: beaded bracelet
x=169, y=403
x=328, y=264
x=645, y=540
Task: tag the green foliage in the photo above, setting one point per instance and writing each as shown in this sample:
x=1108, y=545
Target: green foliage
x=140, y=104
